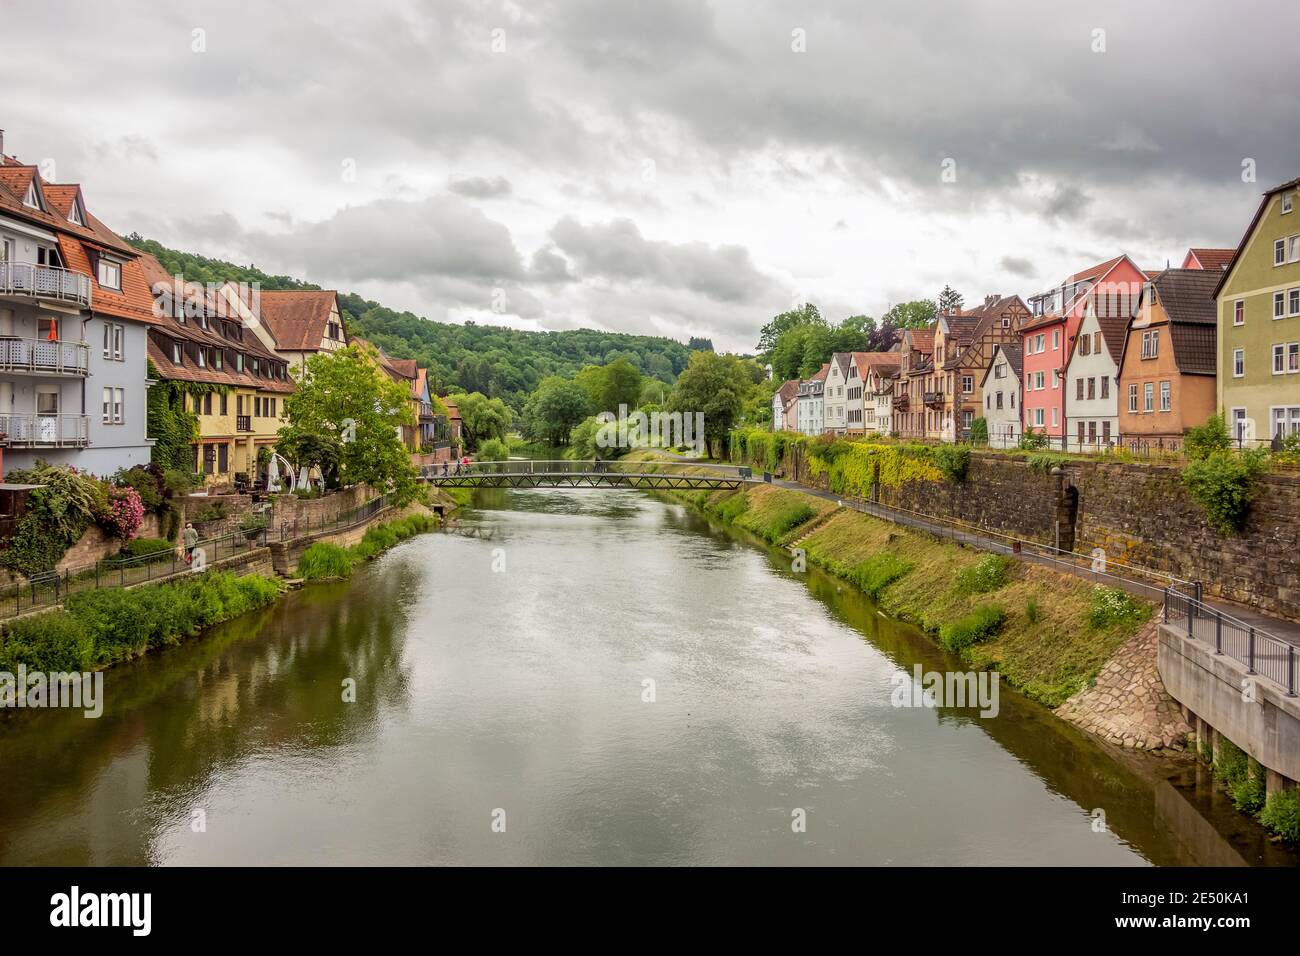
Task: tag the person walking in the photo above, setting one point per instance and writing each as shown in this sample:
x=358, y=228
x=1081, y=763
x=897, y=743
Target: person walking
x=189, y=538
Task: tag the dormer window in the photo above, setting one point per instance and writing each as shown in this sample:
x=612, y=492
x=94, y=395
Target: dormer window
x=178, y=355
x=109, y=274
x=239, y=361
x=33, y=197
x=203, y=357
x=75, y=215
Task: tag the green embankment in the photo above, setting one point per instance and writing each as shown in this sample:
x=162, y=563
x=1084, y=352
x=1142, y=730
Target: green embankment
x=1048, y=634
x=327, y=561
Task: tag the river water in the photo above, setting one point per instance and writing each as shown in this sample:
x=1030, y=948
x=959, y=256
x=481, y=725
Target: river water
x=503, y=676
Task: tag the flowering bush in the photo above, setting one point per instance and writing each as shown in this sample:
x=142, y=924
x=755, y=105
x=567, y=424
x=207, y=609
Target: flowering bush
x=123, y=513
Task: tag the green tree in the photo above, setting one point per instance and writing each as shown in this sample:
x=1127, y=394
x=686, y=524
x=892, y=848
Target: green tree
x=483, y=418
x=553, y=411
x=346, y=409
x=950, y=300
x=918, y=314
x=807, y=314
x=716, y=385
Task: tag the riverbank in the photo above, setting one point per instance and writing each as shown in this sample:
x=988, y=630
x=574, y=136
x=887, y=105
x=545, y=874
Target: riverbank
x=1048, y=634
x=97, y=629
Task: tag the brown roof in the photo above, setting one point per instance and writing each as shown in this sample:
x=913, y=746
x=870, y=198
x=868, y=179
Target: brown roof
x=1015, y=358
x=1042, y=321
x=820, y=375
x=298, y=318
x=1187, y=296
x=882, y=361
x=788, y=391
x=922, y=339
x=1212, y=259
x=1114, y=330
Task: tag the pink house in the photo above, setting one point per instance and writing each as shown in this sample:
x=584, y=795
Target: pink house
x=1113, y=286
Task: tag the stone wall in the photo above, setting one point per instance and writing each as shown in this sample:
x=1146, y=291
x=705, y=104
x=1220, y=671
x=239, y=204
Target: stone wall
x=94, y=545
x=315, y=512
x=1142, y=514
x=231, y=508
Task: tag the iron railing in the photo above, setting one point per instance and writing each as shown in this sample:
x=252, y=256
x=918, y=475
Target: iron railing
x=44, y=356
x=567, y=467
x=47, y=431
x=52, y=588
x=1263, y=653
x=300, y=527
x=44, y=282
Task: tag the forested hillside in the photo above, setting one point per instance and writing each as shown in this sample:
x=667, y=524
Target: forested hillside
x=497, y=361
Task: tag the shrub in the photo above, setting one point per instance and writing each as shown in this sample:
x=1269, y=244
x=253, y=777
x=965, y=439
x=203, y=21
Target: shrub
x=1113, y=606
x=55, y=641
x=980, y=624
x=1031, y=611
x=1281, y=814
x=733, y=508
x=786, y=520
x=1223, y=484
x=979, y=430
x=324, y=560
x=381, y=537
x=953, y=461
x=493, y=450
x=58, y=513
x=1242, y=775
x=987, y=574
x=122, y=513
x=1044, y=462
x=1202, y=441
x=1031, y=440
x=878, y=572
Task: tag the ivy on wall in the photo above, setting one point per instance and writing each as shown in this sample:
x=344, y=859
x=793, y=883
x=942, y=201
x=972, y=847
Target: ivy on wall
x=172, y=426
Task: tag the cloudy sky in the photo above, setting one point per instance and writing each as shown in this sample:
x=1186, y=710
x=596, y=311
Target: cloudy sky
x=672, y=167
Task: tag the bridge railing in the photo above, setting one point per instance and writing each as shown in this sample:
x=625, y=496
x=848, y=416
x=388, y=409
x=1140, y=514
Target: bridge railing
x=571, y=467
x=1265, y=654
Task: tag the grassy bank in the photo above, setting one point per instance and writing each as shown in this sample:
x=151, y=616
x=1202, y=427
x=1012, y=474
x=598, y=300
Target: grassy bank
x=324, y=561
x=1048, y=634
x=96, y=629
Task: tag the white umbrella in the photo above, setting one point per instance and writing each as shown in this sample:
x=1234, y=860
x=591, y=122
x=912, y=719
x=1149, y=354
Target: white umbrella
x=273, y=474
x=302, y=477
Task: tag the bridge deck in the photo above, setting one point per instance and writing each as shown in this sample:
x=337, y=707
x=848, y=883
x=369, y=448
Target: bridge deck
x=589, y=474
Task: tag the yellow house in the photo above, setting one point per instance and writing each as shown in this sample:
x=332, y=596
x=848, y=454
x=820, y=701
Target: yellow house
x=235, y=384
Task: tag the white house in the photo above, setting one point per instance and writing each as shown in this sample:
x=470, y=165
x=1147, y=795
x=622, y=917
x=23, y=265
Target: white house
x=883, y=390
x=1002, y=395
x=811, y=412
x=1092, y=381
x=863, y=406
x=784, y=400
x=841, y=376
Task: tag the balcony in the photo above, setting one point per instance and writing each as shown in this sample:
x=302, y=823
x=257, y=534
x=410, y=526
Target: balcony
x=45, y=431
x=243, y=423
x=901, y=402
x=44, y=282
x=44, y=356
x=934, y=399
x=426, y=412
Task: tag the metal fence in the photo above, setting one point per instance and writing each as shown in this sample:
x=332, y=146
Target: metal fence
x=1263, y=653
x=300, y=527
x=564, y=466
x=51, y=588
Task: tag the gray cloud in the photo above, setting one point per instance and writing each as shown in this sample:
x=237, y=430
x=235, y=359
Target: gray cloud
x=480, y=187
x=1018, y=266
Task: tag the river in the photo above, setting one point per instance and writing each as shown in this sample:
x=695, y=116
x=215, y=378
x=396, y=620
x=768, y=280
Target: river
x=584, y=677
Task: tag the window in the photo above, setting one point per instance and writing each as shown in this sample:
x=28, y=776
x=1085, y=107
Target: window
x=1078, y=389
x=1056, y=378
x=110, y=274
x=1239, y=312
x=1293, y=357
x=207, y=403
x=223, y=458
x=1039, y=382
x=1092, y=433
x=113, y=400
x=999, y=399
x=1040, y=342
x=177, y=355
x=1029, y=381
x=1105, y=386
x=1166, y=395
x=1293, y=302
x=1279, y=359
x=224, y=406
x=1092, y=389
x=1148, y=397
x=1038, y=416
x=203, y=356
x=968, y=381
x=219, y=358
x=1238, y=363
x=1056, y=339
x=239, y=361
x=47, y=403
x=1105, y=431
x=1096, y=342
x=1056, y=417
x=1133, y=398
x=1279, y=251
x=1085, y=345
x=1279, y=304
x=999, y=371
x=1286, y=420
x=1151, y=344
x=1081, y=432
x=1286, y=203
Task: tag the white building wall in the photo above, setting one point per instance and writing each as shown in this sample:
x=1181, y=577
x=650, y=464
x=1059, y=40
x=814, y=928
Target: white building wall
x=1004, y=423
x=1096, y=413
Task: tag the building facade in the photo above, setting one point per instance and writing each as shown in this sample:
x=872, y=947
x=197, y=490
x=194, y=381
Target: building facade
x=1258, y=299
x=811, y=415
x=1092, y=381
x=1001, y=393
x=1167, y=366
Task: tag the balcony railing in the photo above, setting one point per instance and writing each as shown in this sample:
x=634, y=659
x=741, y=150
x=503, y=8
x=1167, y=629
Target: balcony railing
x=44, y=431
x=243, y=423
x=426, y=412
x=44, y=356
x=44, y=282
x=933, y=398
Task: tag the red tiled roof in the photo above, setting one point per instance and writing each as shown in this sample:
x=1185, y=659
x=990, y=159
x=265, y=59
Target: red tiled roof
x=820, y=375
x=297, y=318
x=866, y=361
x=1212, y=259
x=1094, y=272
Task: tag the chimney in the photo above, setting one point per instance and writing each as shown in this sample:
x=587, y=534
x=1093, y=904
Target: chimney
x=990, y=299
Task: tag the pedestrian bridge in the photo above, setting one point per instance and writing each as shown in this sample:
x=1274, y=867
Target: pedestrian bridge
x=648, y=475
